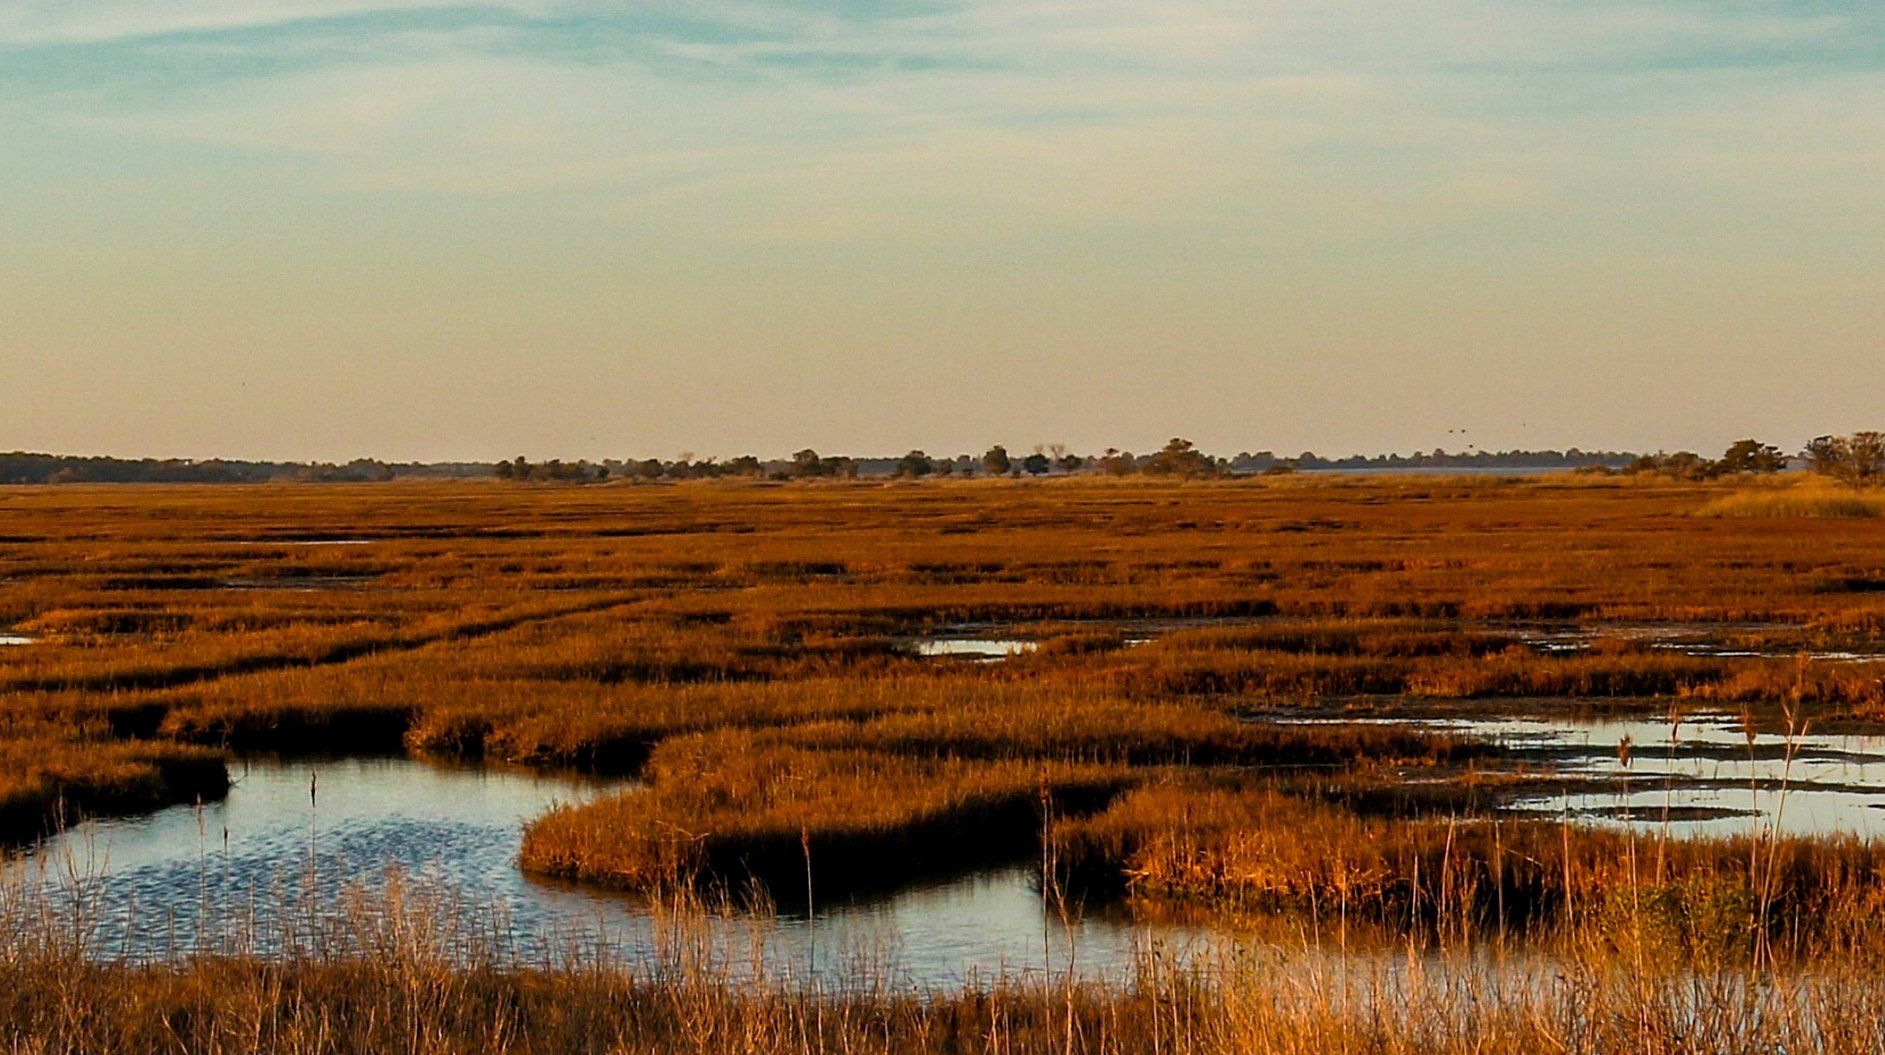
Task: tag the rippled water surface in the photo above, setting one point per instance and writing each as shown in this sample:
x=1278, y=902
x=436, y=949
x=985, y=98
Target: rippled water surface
x=286, y=828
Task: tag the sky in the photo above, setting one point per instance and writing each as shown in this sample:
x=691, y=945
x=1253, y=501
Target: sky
x=425, y=229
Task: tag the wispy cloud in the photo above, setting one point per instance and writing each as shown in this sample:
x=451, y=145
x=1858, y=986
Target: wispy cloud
x=25, y=23
x=1337, y=180
x=809, y=118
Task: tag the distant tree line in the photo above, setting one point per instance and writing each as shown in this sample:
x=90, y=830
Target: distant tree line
x=555, y=469
x=1743, y=457
x=1688, y=465
x=1439, y=458
x=360, y=470
x=21, y=467
x=1858, y=459
x=1178, y=458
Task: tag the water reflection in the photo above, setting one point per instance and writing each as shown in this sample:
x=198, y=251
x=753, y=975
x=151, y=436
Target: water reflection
x=975, y=648
x=1709, y=641
x=1703, y=774
x=1711, y=774
x=305, y=541
x=291, y=830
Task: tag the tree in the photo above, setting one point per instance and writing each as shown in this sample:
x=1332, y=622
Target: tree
x=556, y=469
x=1064, y=459
x=1751, y=456
x=1118, y=462
x=1858, y=459
x=995, y=462
x=1866, y=453
x=1682, y=465
x=1036, y=464
x=1687, y=465
x=914, y=464
x=1180, y=458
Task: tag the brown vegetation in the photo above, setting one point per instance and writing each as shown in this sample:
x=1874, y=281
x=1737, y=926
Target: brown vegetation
x=1450, y=878
x=746, y=648
x=396, y=975
x=746, y=651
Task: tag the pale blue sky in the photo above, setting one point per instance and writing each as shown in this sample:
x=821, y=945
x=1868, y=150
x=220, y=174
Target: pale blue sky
x=418, y=228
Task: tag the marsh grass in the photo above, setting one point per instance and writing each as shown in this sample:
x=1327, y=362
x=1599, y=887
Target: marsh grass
x=840, y=820
x=407, y=970
x=1438, y=879
x=760, y=630
x=49, y=780
x=1799, y=500
x=738, y=649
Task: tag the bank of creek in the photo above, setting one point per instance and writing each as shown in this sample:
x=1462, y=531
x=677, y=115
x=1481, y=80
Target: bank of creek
x=287, y=827
x=140, y=885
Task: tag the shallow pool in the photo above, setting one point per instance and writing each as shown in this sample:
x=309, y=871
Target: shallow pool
x=1703, y=774
x=986, y=649
x=187, y=877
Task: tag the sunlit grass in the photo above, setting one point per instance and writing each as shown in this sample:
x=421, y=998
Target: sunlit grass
x=413, y=972
x=1805, y=500
x=610, y=628
x=747, y=653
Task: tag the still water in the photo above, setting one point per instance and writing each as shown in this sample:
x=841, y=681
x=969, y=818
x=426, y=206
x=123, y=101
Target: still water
x=1704, y=640
x=305, y=833
x=1712, y=773
x=1704, y=775
x=974, y=648
x=155, y=885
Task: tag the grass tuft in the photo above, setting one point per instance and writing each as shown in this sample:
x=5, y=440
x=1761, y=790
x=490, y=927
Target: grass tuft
x=1800, y=501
